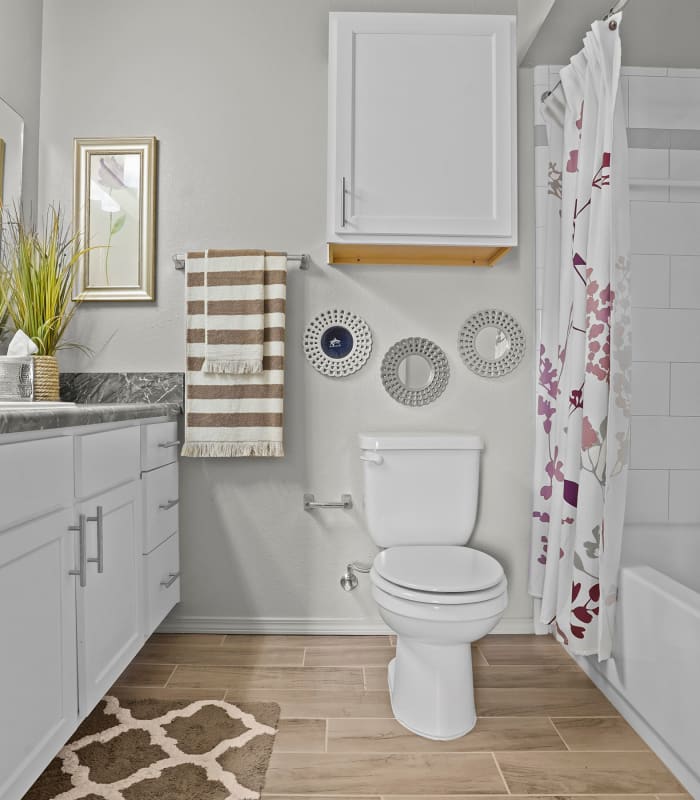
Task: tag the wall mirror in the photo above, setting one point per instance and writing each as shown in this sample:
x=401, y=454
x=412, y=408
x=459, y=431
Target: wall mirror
x=491, y=343
x=415, y=371
x=11, y=149
x=114, y=212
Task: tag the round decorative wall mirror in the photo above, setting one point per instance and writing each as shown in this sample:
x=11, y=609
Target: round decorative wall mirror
x=337, y=342
x=415, y=371
x=491, y=343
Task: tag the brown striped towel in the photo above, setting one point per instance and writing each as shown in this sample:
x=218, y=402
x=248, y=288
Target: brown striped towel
x=233, y=414
x=233, y=331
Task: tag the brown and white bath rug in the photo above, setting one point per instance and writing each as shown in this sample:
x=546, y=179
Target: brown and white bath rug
x=164, y=750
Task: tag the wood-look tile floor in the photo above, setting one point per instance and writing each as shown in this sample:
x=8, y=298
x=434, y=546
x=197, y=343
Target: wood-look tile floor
x=544, y=730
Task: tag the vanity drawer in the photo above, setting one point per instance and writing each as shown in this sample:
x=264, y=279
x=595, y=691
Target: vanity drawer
x=160, y=505
x=106, y=459
x=162, y=576
x=36, y=478
x=159, y=444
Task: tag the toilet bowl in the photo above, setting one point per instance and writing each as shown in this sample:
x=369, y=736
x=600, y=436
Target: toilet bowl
x=430, y=680
x=435, y=593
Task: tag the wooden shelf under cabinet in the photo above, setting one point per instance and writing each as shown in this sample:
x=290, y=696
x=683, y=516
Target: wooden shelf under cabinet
x=422, y=255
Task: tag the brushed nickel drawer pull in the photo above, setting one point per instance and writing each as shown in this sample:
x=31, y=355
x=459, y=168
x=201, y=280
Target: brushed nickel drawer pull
x=174, y=443
x=167, y=506
x=344, y=191
x=81, y=572
x=172, y=577
x=100, y=560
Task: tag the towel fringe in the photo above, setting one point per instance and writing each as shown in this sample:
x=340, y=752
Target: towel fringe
x=232, y=367
x=232, y=449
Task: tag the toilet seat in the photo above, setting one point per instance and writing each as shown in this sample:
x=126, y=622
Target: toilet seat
x=438, y=614
x=443, y=598
x=438, y=569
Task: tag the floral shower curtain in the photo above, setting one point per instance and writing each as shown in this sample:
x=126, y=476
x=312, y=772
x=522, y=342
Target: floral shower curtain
x=583, y=387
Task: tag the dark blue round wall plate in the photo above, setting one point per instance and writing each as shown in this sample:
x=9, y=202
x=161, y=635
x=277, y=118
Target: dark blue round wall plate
x=337, y=341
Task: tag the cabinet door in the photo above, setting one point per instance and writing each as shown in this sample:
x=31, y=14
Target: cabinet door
x=422, y=127
x=38, y=670
x=109, y=605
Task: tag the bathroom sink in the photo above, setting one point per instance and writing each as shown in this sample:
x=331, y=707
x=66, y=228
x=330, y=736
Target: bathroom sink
x=32, y=405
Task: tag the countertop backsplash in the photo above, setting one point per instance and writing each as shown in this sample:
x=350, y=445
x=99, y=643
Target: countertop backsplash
x=123, y=387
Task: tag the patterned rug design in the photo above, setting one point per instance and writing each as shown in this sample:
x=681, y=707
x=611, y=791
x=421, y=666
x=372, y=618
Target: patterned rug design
x=164, y=750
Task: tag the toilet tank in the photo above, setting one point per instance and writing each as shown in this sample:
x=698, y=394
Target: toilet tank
x=420, y=488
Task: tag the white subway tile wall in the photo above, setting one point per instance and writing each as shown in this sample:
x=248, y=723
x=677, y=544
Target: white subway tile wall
x=663, y=112
x=684, y=496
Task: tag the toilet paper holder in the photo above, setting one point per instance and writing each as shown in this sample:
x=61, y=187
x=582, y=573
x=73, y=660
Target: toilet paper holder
x=310, y=502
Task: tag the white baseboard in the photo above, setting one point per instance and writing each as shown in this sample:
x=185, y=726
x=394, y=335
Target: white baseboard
x=305, y=625
x=641, y=726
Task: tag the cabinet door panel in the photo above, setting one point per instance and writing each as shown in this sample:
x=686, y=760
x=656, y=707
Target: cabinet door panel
x=109, y=619
x=49, y=462
x=162, y=582
x=38, y=670
x=424, y=125
x=161, y=508
x=105, y=459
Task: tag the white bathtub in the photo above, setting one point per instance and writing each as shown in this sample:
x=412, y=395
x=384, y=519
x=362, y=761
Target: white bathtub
x=654, y=676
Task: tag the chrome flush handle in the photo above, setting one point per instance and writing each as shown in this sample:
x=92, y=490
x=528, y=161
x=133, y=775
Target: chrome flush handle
x=174, y=443
x=374, y=458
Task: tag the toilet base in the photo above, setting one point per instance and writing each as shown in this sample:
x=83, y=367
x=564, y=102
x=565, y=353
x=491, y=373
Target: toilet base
x=432, y=690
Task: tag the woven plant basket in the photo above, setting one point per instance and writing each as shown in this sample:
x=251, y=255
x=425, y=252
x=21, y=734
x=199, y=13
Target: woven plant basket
x=46, y=378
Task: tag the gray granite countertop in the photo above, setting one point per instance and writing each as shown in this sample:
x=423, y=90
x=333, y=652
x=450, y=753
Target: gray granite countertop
x=33, y=418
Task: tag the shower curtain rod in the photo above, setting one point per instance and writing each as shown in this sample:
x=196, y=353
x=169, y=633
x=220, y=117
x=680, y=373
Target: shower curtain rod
x=614, y=10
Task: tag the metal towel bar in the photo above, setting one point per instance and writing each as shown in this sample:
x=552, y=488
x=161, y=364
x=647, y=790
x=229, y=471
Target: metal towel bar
x=304, y=260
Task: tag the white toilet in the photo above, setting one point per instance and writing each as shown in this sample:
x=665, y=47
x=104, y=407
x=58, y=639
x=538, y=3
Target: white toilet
x=420, y=499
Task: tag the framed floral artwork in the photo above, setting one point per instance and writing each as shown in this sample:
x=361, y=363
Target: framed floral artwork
x=114, y=215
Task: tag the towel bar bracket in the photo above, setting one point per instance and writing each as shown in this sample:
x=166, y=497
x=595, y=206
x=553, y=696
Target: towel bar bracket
x=310, y=502
x=304, y=260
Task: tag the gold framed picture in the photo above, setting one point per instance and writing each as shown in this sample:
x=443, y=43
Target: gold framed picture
x=114, y=202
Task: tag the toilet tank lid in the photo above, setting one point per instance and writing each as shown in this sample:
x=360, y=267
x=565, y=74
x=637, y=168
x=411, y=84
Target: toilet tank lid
x=420, y=441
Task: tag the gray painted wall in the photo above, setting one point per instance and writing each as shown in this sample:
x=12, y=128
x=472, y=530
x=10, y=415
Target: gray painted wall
x=654, y=33
x=236, y=94
x=20, y=73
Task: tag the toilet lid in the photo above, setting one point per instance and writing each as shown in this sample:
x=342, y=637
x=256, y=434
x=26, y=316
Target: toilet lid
x=439, y=598
x=444, y=568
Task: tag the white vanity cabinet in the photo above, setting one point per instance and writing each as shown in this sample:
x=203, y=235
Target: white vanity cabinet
x=422, y=129
x=75, y=600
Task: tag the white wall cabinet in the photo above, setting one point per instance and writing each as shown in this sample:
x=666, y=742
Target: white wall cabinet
x=75, y=578
x=422, y=129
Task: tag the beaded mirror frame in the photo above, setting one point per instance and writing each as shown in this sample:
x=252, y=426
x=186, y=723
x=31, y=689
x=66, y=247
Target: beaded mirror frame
x=434, y=355
x=475, y=361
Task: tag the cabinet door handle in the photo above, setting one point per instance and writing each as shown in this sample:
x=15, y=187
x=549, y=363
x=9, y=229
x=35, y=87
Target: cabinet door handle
x=172, y=577
x=344, y=191
x=82, y=551
x=174, y=443
x=100, y=560
x=167, y=506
